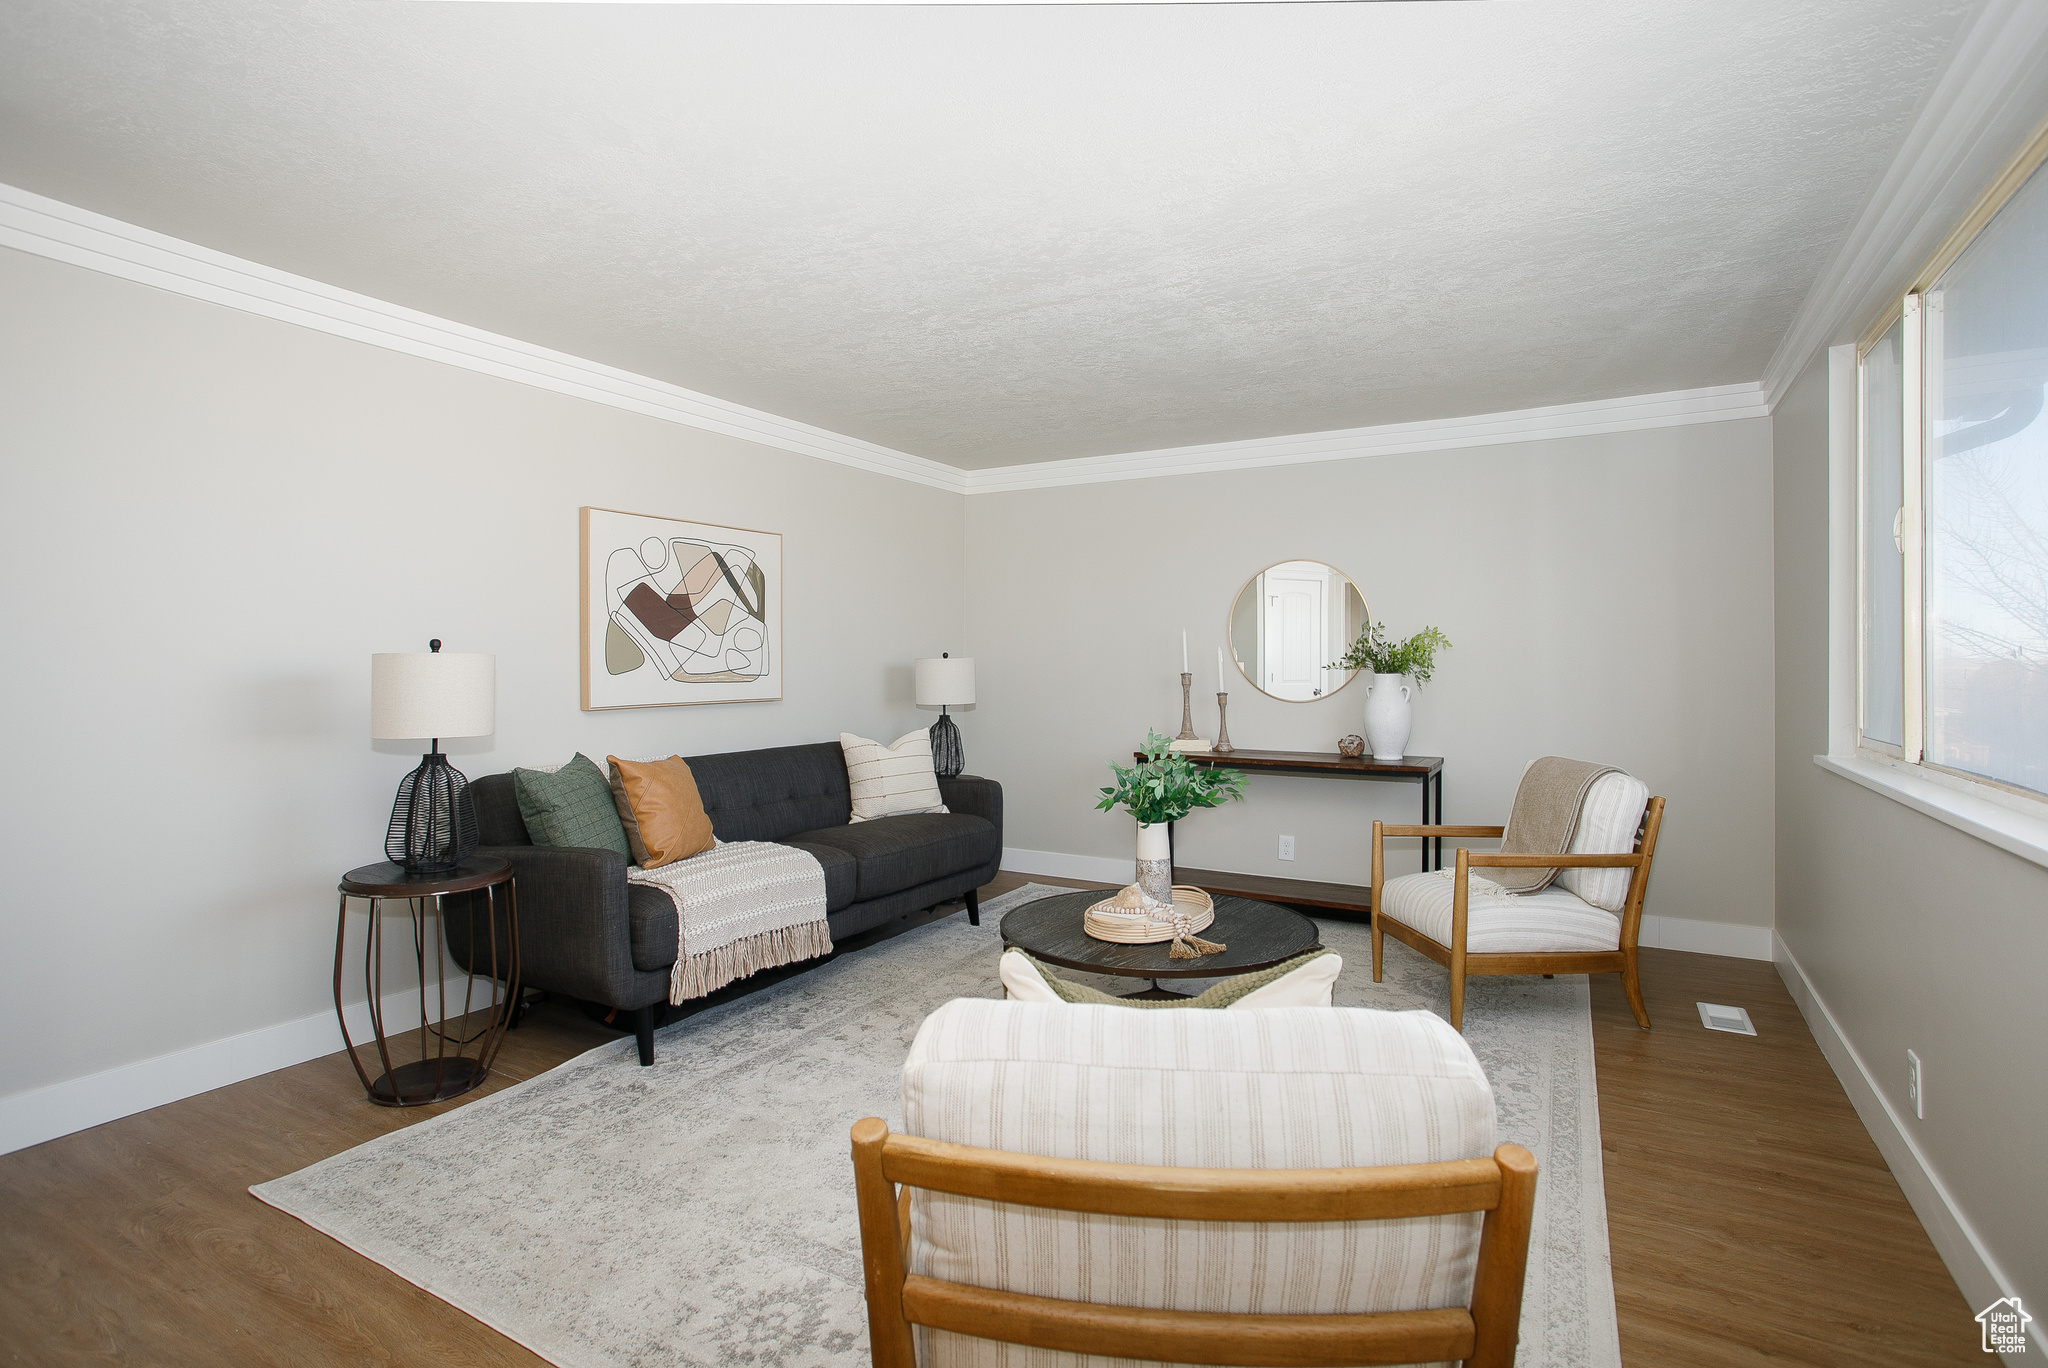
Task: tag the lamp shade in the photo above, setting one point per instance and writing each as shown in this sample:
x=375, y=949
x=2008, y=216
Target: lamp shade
x=945, y=682
x=432, y=694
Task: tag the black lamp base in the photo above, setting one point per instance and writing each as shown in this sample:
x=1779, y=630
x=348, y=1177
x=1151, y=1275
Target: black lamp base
x=949, y=757
x=433, y=823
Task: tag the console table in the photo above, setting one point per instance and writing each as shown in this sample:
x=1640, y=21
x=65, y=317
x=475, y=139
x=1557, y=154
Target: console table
x=1425, y=771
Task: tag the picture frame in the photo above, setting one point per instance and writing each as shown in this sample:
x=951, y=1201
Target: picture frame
x=676, y=612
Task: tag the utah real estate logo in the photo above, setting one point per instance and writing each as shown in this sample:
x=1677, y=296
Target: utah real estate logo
x=2005, y=1326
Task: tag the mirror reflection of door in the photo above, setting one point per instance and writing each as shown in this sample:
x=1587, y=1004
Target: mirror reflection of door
x=1294, y=640
x=1286, y=624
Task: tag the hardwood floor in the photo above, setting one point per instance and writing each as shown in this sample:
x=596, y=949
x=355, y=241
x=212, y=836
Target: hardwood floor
x=1752, y=1219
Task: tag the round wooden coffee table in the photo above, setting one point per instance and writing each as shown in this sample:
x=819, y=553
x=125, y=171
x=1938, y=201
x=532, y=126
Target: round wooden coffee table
x=1259, y=935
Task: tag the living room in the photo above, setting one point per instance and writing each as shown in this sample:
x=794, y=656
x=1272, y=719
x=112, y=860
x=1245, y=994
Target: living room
x=1034, y=337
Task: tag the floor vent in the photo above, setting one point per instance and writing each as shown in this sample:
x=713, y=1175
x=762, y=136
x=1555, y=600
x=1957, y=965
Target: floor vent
x=1715, y=1017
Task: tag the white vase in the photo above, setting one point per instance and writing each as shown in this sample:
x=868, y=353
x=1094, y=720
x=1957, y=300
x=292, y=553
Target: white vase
x=1388, y=718
x=1155, y=861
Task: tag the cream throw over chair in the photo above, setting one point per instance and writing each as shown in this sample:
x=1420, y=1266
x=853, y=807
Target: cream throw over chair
x=1585, y=922
x=1306, y=1185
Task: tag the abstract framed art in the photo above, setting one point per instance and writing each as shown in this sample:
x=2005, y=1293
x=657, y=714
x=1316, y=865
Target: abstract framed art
x=678, y=612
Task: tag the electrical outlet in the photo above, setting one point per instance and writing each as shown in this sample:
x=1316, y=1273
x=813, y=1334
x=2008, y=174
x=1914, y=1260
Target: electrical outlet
x=1915, y=1092
x=1286, y=847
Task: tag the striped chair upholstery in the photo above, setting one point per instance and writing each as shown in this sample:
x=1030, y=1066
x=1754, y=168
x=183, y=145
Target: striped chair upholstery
x=1551, y=921
x=1288, y=1088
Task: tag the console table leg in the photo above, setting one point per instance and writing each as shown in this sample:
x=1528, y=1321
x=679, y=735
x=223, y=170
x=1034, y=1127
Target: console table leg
x=1439, y=841
x=1426, y=865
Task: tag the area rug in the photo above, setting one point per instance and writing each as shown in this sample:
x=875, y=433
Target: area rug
x=700, y=1212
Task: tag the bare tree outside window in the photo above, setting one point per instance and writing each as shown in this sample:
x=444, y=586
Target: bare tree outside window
x=1987, y=501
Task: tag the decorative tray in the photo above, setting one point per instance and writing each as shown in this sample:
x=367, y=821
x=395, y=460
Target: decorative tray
x=1118, y=919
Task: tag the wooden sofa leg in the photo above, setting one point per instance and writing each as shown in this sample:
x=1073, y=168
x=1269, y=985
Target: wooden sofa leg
x=974, y=907
x=643, y=1031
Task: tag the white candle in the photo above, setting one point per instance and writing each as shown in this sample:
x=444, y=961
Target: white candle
x=1219, y=671
x=1183, y=650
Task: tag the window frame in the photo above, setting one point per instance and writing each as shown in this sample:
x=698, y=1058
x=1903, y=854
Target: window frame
x=1907, y=308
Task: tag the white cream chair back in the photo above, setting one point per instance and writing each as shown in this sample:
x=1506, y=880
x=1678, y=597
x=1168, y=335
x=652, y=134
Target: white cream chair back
x=1289, y=1088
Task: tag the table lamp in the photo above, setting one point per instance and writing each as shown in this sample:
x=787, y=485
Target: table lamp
x=942, y=683
x=428, y=693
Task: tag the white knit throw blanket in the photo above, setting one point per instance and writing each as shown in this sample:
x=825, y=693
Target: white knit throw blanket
x=741, y=907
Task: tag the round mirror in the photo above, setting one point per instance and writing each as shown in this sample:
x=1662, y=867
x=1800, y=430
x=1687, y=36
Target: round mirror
x=1289, y=622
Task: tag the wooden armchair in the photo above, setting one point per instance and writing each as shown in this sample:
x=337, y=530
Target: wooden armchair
x=886, y=1167
x=1573, y=938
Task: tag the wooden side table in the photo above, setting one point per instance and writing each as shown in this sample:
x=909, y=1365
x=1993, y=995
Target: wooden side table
x=445, y=1067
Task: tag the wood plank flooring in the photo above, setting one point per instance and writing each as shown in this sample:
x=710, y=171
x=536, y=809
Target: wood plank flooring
x=1752, y=1219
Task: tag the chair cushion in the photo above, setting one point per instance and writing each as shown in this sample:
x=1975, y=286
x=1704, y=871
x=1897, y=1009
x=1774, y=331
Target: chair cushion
x=895, y=853
x=1552, y=921
x=1305, y=1087
x=1304, y=981
x=1608, y=819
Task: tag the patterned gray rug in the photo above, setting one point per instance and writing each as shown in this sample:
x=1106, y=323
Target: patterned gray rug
x=700, y=1212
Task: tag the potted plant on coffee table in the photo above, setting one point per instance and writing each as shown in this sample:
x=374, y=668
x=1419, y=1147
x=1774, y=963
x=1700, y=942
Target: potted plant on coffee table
x=1398, y=669
x=1164, y=787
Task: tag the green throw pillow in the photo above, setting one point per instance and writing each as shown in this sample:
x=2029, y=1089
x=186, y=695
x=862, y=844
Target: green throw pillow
x=571, y=807
x=1222, y=995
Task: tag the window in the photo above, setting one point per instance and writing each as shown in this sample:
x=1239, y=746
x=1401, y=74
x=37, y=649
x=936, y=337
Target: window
x=1952, y=556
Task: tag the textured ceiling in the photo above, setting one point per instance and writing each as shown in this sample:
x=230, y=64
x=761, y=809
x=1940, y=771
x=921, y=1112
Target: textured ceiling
x=990, y=235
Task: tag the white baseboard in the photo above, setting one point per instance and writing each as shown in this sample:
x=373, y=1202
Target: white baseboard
x=30, y=1118
x=1063, y=866
x=1976, y=1273
x=1706, y=938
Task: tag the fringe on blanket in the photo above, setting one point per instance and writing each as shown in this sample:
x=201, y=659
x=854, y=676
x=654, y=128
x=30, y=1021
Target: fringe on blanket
x=694, y=976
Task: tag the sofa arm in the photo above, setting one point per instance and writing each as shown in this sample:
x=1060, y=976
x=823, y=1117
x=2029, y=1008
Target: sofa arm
x=575, y=936
x=977, y=797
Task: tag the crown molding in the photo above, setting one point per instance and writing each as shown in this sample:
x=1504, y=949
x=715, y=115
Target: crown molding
x=1633, y=413
x=1991, y=66
x=63, y=232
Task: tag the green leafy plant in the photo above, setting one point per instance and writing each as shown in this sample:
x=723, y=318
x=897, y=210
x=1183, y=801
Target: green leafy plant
x=1376, y=651
x=1166, y=786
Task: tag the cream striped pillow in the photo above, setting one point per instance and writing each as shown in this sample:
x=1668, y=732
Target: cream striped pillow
x=888, y=781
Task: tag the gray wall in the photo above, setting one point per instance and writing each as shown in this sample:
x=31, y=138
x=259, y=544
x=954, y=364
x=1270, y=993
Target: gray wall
x=1914, y=935
x=211, y=521
x=1608, y=597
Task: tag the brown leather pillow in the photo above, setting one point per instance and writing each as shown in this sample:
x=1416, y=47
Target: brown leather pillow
x=660, y=808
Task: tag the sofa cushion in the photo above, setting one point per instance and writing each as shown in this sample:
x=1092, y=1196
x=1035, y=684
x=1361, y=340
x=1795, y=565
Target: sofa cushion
x=895, y=853
x=840, y=872
x=570, y=806
x=887, y=781
x=1554, y=920
x=772, y=794
x=1303, y=1087
x=658, y=806
x=651, y=912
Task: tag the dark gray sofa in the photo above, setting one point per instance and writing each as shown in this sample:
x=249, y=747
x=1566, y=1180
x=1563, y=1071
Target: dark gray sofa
x=584, y=931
